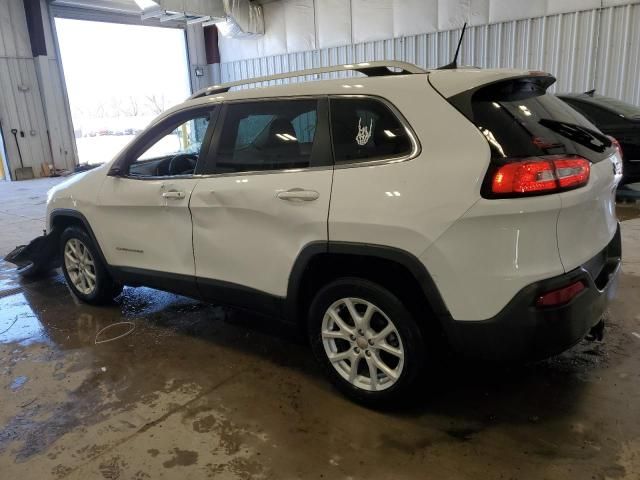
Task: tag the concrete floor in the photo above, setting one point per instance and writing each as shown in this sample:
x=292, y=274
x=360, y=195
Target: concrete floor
x=22, y=211
x=198, y=391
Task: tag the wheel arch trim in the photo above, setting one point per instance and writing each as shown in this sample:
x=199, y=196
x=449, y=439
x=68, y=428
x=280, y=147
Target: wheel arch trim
x=401, y=257
x=66, y=212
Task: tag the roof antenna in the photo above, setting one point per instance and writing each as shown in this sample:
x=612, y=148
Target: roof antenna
x=453, y=65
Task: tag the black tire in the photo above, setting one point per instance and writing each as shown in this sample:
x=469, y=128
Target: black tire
x=106, y=289
x=410, y=337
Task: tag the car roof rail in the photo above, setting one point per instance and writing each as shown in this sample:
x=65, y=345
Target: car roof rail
x=370, y=69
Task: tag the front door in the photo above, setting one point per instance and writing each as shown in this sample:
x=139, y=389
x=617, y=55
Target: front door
x=265, y=198
x=144, y=223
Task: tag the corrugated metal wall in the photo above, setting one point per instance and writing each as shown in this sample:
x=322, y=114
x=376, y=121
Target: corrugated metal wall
x=21, y=97
x=594, y=48
x=20, y=103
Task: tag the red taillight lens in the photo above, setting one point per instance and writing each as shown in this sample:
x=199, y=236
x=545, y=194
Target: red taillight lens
x=524, y=177
x=572, y=172
x=540, y=175
x=560, y=296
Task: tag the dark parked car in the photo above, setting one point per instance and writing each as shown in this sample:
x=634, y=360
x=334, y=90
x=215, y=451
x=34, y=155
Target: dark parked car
x=616, y=118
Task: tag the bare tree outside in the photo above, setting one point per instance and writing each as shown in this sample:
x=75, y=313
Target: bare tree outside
x=131, y=107
x=156, y=103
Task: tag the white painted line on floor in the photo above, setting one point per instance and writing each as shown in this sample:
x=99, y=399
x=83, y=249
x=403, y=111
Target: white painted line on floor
x=637, y=335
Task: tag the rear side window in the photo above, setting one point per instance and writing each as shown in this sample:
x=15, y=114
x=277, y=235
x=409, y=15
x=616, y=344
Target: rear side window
x=519, y=119
x=267, y=135
x=366, y=129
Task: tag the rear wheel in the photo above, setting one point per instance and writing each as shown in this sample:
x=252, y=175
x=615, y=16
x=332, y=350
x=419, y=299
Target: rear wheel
x=366, y=340
x=85, y=273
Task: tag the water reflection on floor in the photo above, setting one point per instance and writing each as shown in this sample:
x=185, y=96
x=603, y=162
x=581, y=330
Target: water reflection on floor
x=18, y=322
x=199, y=391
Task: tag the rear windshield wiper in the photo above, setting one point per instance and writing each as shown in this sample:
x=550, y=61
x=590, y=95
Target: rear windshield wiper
x=578, y=134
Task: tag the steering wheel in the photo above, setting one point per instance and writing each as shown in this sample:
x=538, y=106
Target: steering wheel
x=183, y=164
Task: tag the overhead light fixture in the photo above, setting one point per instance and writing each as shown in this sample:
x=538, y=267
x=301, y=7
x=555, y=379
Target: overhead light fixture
x=286, y=137
x=389, y=134
x=525, y=110
x=151, y=13
x=146, y=4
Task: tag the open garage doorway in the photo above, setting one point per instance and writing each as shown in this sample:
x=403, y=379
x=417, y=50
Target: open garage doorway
x=119, y=77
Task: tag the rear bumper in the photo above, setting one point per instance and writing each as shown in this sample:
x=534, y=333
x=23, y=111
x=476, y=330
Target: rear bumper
x=522, y=331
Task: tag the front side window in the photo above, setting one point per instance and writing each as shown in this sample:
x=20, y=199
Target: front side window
x=267, y=135
x=175, y=151
x=366, y=129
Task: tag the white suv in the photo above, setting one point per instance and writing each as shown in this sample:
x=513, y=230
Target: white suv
x=383, y=214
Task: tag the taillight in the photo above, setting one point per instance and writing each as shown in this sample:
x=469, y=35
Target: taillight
x=616, y=145
x=539, y=175
x=560, y=296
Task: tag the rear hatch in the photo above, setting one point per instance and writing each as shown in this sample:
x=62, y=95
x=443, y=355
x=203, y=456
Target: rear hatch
x=542, y=146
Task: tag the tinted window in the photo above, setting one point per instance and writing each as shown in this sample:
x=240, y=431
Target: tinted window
x=599, y=116
x=173, y=151
x=618, y=106
x=267, y=135
x=519, y=119
x=366, y=129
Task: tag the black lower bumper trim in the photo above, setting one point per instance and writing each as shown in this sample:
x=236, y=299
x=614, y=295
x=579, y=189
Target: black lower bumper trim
x=39, y=256
x=523, y=331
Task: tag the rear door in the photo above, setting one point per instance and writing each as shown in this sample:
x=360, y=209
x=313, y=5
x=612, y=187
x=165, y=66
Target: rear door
x=264, y=196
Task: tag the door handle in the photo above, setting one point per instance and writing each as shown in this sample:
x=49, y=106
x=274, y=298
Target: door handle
x=298, y=195
x=173, y=194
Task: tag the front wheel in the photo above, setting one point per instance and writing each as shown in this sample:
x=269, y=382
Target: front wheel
x=367, y=341
x=85, y=273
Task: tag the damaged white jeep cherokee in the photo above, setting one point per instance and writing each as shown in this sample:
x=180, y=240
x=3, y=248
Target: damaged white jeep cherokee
x=382, y=213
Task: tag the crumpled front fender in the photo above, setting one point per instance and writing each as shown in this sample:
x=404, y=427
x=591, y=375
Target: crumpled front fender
x=39, y=256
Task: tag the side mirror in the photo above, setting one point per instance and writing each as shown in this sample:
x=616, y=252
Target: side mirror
x=116, y=171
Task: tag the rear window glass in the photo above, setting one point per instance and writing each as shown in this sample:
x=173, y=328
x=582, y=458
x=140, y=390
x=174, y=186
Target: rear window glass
x=618, y=106
x=596, y=115
x=366, y=129
x=520, y=120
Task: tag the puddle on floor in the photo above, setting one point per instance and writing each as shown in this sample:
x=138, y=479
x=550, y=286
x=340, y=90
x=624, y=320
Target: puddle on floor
x=18, y=322
x=8, y=277
x=18, y=383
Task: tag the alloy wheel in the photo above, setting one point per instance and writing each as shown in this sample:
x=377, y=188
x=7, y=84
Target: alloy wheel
x=362, y=344
x=80, y=266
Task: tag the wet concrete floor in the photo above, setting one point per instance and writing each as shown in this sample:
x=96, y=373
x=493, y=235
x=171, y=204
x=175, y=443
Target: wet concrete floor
x=199, y=391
